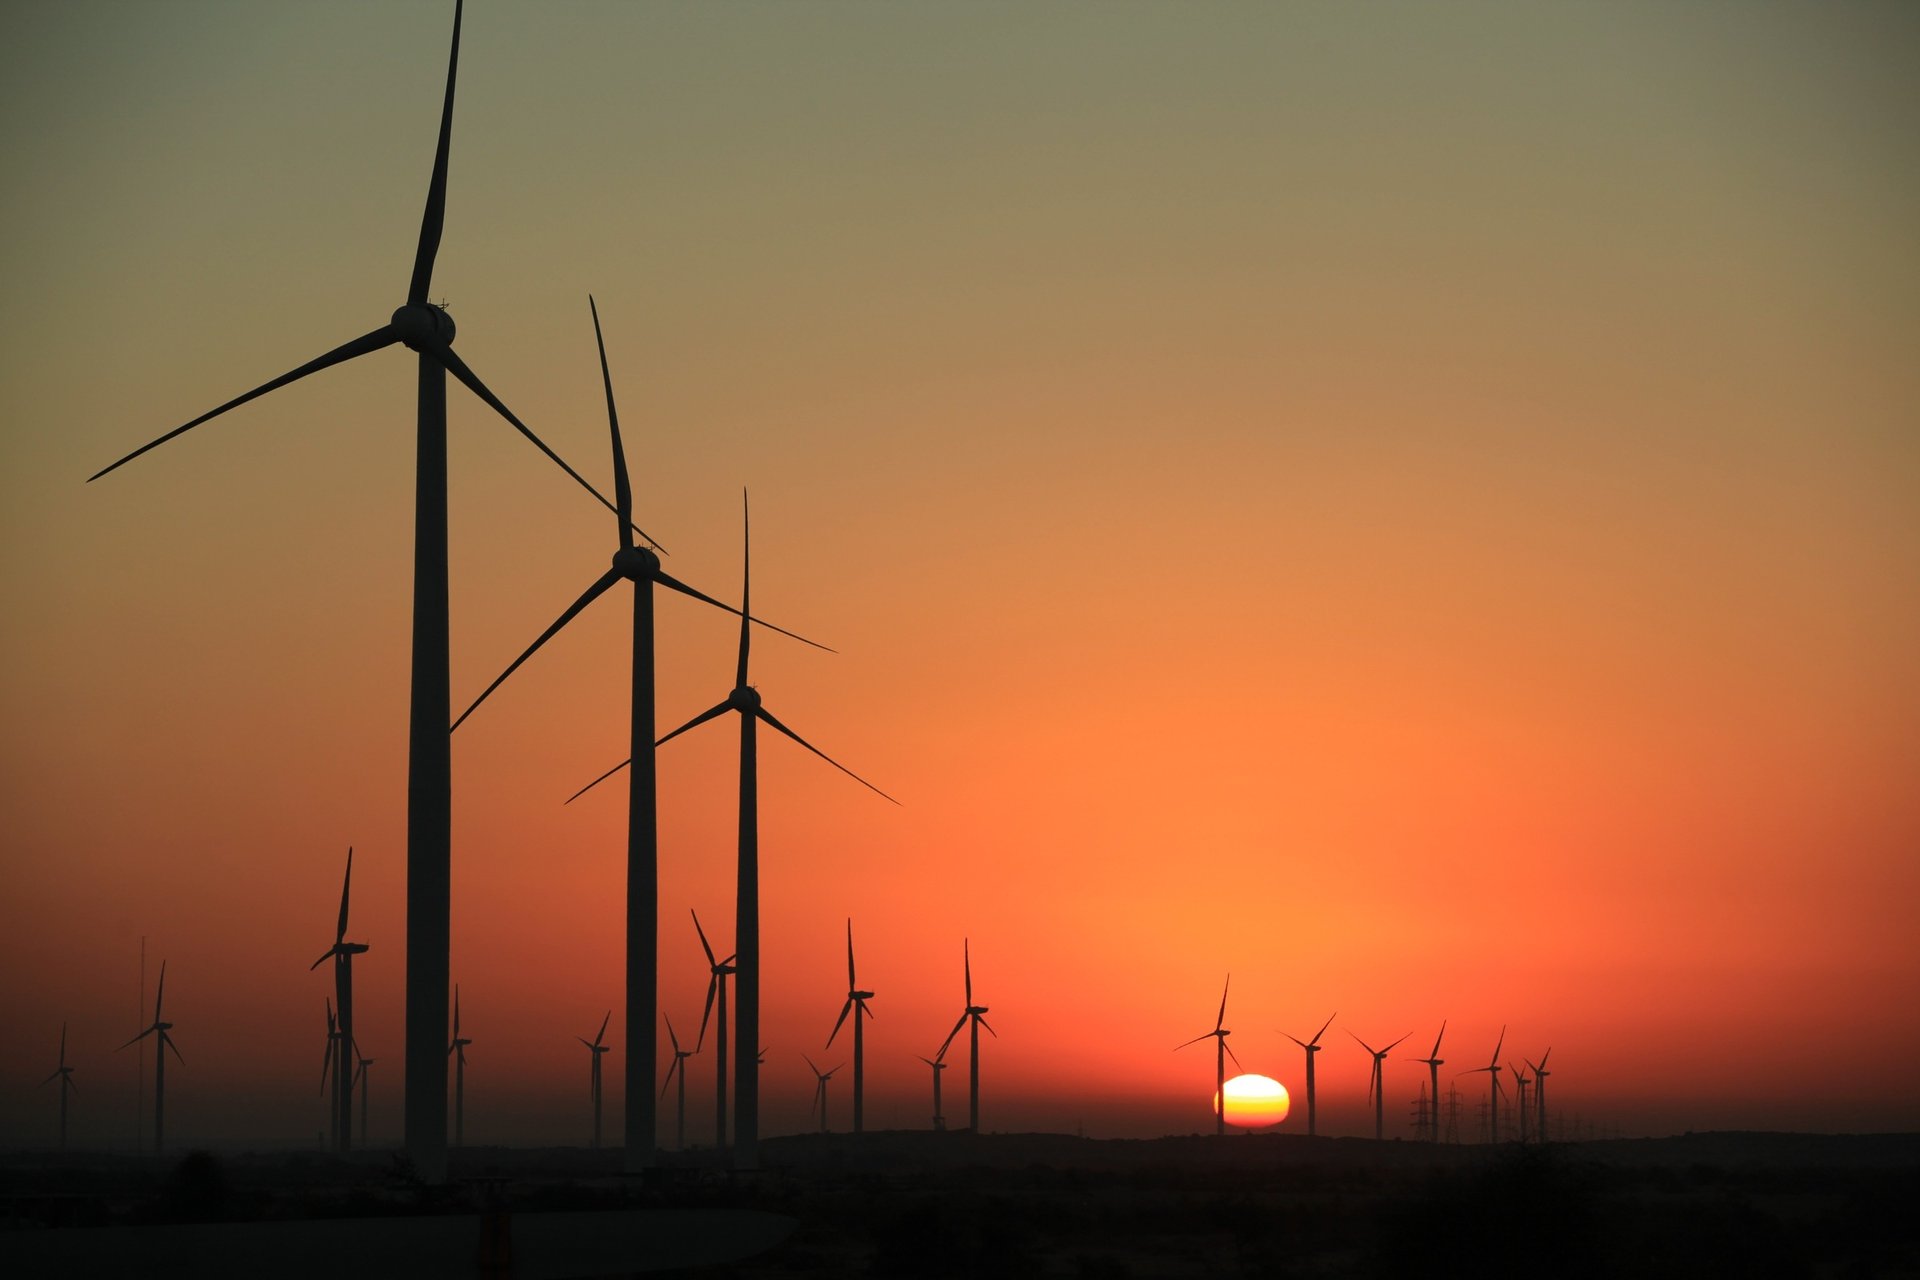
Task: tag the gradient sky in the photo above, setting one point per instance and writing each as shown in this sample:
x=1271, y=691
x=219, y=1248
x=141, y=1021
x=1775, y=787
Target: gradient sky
x=1412, y=506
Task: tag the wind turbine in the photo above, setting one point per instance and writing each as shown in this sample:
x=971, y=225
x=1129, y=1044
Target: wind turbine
x=1520, y=1083
x=745, y=700
x=1312, y=1047
x=856, y=1000
x=162, y=1042
x=458, y=1052
x=428, y=331
x=360, y=1077
x=1221, y=1053
x=938, y=1064
x=343, y=953
x=820, y=1091
x=680, y=1057
x=331, y=1067
x=64, y=1074
x=1434, y=1062
x=639, y=565
x=1493, y=1100
x=977, y=1015
x=1540, y=1074
x=1376, y=1085
x=595, y=1048
x=720, y=971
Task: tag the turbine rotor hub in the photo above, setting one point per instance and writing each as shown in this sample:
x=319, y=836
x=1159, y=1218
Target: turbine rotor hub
x=423, y=326
x=636, y=564
x=745, y=699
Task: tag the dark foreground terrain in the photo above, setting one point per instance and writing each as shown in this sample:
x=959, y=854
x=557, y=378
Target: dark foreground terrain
x=1014, y=1205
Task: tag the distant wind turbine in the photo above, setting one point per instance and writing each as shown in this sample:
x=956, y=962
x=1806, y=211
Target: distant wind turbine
x=1493, y=1100
x=938, y=1064
x=162, y=1042
x=1434, y=1062
x=429, y=331
x=1376, y=1086
x=820, y=1091
x=331, y=1068
x=975, y=1014
x=458, y=1052
x=64, y=1074
x=1520, y=1083
x=596, y=1049
x=745, y=700
x=719, y=971
x=1540, y=1074
x=680, y=1057
x=360, y=1077
x=1312, y=1047
x=857, y=1005
x=1221, y=1053
x=343, y=953
x=640, y=566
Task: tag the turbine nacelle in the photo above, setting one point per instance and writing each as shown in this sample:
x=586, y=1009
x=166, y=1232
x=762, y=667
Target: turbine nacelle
x=745, y=699
x=423, y=326
x=636, y=564
x=859, y=995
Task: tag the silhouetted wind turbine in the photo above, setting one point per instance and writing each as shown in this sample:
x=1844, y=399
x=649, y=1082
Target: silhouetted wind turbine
x=680, y=1057
x=429, y=331
x=458, y=1052
x=1493, y=1101
x=64, y=1074
x=595, y=1048
x=720, y=971
x=640, y=566
x=1520, y=1083
x=343, y=953
x=331, y=1068
x=820, y=1091
x=360, y=1076
x=1221, y=1053
x=856, y=1000
x=938, y=1064
x=1434, y=1062
x=163, y=1042
x=1540, y=1074
x=745, y=700
x=977, y=1015
x=1312, y=1047
x=1376, y=1086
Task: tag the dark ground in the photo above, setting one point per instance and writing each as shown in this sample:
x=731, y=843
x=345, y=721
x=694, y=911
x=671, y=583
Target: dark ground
x=1042, y=1205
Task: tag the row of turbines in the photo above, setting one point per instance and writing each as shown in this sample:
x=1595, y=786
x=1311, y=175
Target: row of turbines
x=1429, y=1117
x=428, y=331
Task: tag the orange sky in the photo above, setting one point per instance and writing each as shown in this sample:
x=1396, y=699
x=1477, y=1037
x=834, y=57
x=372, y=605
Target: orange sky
x=1414, y=510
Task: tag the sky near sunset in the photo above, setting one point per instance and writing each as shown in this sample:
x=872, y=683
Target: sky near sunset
x=1412, y=506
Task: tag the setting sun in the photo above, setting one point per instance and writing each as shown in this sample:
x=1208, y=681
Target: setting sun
x=1254, y=1102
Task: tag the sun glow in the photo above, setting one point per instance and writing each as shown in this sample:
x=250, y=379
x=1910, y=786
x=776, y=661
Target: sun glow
x=1254, y=1102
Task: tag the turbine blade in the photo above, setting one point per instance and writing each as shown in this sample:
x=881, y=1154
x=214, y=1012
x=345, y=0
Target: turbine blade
x=1437, y=1039
x=458, y=368
x=1323, y=1028
x=322, y=960
x=668, y=1079
x=50, y=1079
x=1496, y=1047
x=587, y=597
x=622, y=484
x=989, y=1027
x=166, y=1041
x=773, y=720
x=703, y=940
x=1221, y=1021
x=1389, y=1048
x=674, y=584
x=673, y=1037
x=346, y=888
x=599, y=1035
x=435, y=216
x=1543, y=1057
x=713, y=984
x=844, y=1010
x=943, y=1044
x=384, y=336
x=597, y=781
x=1205, y=1035
x=161, y=991
x=746, y=582
x=851, y=984
x=696, y=722
x=966, y=959
x=1296, y=1039
x=1231, y=1054
x=1362, y=1043
x=142, y=1036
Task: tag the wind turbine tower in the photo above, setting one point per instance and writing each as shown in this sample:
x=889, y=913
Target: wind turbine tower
x=64, y=1074
x=678, y=1067
x=342, y=953
x=820, y=1091
x=1540, y=1074
x=1493, y=1097
x=1221, y=1053
x=938, y=1065
x=1376, y=1085
x=360, y=1077
x=162, y=1042
x=596, y=1048
x=1434, y=1062
x=1312, y=1047
x=458, y=1052
x=976, y=1016
x=857, y=1005
x=719, y=971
